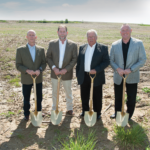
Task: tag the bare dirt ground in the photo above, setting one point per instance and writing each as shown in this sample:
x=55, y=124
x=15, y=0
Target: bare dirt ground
x=16, y=134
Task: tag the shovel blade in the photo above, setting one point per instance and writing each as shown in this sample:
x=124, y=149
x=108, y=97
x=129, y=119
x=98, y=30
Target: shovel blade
x=56, y=117
x=122, y=120
x=90, y=120
x=36, y=120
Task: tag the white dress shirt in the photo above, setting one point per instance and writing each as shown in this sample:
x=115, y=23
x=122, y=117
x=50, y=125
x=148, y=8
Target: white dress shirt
x=62, y=48
x=32, y=51
x=88, y=57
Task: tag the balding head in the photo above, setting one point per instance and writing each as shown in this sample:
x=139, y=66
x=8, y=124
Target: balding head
x=32, y=32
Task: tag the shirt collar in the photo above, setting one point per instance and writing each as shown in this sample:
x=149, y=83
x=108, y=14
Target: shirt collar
x=92, y=46
x=31, y=46
x=60, y=42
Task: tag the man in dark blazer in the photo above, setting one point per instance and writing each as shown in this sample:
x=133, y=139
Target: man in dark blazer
x=30, y=60
x=127, y=56
x=93, y=58
x=61, y=57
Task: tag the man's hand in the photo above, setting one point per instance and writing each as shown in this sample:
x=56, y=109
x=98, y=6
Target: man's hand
x=93, y=71
x=37, y=72
x=30, y=72
x=127, y=71
x=63, y=71
x=56, y=71
x=120, y=71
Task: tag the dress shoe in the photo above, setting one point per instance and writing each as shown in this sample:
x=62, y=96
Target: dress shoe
x=98, y=117
x=113, y=116
x=70, y=112
x=26, y=118
x=82, y=114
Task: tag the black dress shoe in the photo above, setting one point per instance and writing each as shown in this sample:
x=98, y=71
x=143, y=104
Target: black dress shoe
x=98, y=117
x=113, y=116
x=26, y=118
x=82, y=114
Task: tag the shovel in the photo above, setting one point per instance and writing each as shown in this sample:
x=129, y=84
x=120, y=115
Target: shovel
x=56, y=116
x=122, y=117
x=36, y=116
x=90, y=116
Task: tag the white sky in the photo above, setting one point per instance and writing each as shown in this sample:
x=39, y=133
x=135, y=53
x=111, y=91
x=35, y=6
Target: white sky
x=124, y=11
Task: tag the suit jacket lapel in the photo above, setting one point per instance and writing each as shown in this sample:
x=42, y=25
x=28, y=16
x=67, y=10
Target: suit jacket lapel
x=66, y=51
x=94, y=53
x=28, y=53
x=36, y=53
x=57, y=51
x=120, y=51
x=129, y=51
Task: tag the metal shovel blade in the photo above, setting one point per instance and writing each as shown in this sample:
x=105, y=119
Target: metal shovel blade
x=36, y=119
x=56, y=117
x=90, y=118
x=122, y=120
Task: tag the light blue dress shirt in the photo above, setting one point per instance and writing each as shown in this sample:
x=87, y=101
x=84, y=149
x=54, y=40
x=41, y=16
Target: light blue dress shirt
x=32, y=51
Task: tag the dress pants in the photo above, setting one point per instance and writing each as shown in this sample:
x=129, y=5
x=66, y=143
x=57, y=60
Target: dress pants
x=85, y=95
x=67, y=87
x=131, y=90
x=26, y=94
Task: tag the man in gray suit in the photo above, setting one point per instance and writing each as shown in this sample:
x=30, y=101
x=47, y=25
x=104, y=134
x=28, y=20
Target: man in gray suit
x=127, y=55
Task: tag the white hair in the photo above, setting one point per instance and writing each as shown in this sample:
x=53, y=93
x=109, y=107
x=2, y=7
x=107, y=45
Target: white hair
x=125, y=24
x=31, y=31
x=91, y=30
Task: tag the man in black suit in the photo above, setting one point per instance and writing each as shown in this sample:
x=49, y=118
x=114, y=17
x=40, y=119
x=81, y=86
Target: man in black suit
x=93, y=59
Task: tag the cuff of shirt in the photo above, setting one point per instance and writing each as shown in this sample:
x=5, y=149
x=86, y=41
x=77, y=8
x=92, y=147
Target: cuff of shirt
x=53, y=66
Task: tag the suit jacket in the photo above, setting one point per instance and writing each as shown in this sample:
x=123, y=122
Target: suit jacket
x=100, y=61
x=70, y=58
x=24, y=61
x=136, y=58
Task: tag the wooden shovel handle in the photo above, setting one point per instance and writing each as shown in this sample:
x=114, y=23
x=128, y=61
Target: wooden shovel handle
x=91, y=91
x=58, y=87
x=35, y=97
x=123, y=95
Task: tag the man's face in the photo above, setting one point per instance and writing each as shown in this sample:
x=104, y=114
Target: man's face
x=91, y=38
x=31, y=37
x=125, y=32
x=62, y=33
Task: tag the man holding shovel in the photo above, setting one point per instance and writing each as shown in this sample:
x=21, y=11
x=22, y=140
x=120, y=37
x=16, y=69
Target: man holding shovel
x=61, y=57
x=93, y=59
x=30, y=60
x=127, y=55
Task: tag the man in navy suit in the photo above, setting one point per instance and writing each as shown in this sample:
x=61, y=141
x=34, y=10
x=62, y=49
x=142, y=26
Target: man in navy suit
x=93, y=59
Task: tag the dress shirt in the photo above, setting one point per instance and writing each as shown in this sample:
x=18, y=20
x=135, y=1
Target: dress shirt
x=125, y=48
x=88, y=57
x=62, y=48
x=32, y=51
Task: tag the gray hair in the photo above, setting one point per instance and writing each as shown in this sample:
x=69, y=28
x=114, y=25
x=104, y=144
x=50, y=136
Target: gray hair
x=125, y=24
x=31, y=31
x=91, y=30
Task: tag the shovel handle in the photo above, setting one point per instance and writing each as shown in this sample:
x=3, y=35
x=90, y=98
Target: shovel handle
x=35, y=97
x=123, y=94
x=91, y=91
x=58, y=87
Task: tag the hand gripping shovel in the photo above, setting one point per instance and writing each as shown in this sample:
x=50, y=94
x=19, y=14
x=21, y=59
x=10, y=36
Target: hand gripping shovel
x=56, y=116
x=122, y=117
x=36, y=116
x=90, y=116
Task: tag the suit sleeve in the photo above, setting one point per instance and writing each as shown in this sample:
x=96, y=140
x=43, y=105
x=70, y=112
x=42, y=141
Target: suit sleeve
x=43, y=63
x=112, y=59
x=19, y=64
x=141, y=60
x=49, y=56
x=74, y=59
x=105, y=61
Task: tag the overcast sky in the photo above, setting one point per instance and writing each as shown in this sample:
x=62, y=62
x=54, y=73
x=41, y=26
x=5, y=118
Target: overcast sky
x=123, y=11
